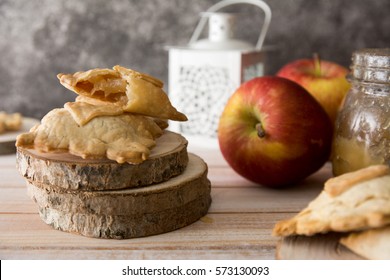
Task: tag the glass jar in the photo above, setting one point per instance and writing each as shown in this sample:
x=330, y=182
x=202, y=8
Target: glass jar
x=362, y=131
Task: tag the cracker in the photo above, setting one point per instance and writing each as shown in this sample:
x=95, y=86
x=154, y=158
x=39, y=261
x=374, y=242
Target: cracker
x=364, y=205
x=371, y=244
x=123, y=138
x=337, y=185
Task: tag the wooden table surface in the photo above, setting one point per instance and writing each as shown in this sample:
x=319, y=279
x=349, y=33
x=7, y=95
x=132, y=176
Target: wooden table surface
x=238, y=225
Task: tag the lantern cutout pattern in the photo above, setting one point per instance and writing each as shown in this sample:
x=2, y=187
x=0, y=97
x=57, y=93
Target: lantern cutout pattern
x=204, y=74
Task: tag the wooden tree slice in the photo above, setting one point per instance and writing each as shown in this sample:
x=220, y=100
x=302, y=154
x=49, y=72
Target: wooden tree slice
x=128, y=213
x=317, y=247
x=175, y=192
x=62, y=170
x=124, y=226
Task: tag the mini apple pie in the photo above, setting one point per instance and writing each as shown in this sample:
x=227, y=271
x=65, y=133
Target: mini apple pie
x=10, y=122
x=118, y=115
x=132, y=91
x=124, y=138
x=354, y=201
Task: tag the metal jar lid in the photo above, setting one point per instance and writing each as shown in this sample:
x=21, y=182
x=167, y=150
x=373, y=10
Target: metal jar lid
x=371, y=65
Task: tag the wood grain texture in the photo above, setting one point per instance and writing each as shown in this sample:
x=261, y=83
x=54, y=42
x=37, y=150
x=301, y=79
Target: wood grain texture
x=256, y=253
x=168, y=159
x=220, y=236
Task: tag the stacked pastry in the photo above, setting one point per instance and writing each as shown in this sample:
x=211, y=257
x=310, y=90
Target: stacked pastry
x=356, y=204
x=105, y=166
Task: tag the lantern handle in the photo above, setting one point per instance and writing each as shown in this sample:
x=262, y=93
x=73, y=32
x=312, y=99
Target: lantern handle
x=224, y=3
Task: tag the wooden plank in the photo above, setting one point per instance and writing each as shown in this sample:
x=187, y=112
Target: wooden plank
x=249, y=197
x=252, y=200
x=7, y=160
x=16, y=201
x=224, y=200
x=213, y=157
x=227, y=177
x=255, y=253
x=245, y=234
x=9, y=175
x=11, y=178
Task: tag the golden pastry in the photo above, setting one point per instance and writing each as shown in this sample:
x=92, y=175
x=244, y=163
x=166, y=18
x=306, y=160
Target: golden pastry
x=133, y=91
x=123, y=138
x=351, y=202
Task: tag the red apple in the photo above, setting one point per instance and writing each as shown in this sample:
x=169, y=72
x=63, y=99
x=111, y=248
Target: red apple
x=273, y=132
x=325, y=80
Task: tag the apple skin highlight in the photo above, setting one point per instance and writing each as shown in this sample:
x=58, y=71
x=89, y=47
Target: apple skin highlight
x=296, y=133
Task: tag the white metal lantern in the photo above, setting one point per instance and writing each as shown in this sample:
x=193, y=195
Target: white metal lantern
x=204, y=74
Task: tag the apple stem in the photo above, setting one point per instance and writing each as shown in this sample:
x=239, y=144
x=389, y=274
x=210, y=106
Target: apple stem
x=317, y=64
x=260, y=130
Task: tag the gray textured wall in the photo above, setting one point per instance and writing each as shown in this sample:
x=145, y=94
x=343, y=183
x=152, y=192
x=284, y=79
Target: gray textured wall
x=41, y=38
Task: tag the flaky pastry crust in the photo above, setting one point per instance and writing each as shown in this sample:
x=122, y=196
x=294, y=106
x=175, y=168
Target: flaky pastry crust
x=363, y=205
x=123, y=138
x=133, y=91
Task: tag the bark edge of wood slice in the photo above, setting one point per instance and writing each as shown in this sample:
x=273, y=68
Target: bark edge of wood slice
x=62, y=170
x=129, y=213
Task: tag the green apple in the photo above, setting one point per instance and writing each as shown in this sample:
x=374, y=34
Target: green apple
x=273, y=132
x=325, y=80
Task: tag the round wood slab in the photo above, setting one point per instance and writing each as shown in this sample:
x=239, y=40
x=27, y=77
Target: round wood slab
x=129, y=213
x=317, y=247
x=63, y=170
